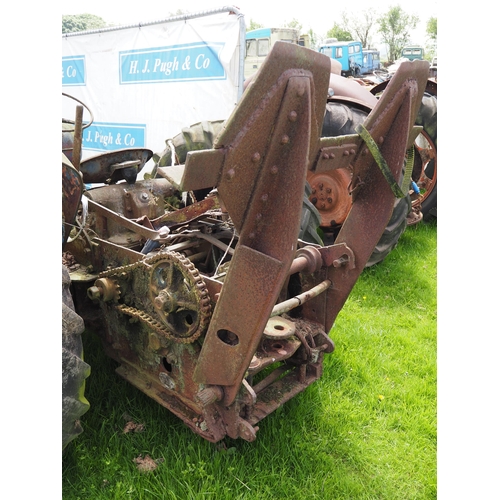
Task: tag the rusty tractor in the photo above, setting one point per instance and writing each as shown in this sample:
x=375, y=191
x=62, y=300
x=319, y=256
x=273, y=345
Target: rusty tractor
x=216, y=308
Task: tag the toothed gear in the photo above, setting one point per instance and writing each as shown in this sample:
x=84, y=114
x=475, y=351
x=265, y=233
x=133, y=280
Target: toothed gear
x=179, y=295
x=179, y=301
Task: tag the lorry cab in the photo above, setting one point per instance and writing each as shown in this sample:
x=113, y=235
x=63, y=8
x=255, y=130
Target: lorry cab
x=260, y=41
x=349, y=54
x=371, y=61
x=413, y=52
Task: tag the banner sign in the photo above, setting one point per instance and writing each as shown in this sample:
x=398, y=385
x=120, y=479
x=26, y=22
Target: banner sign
x=144, y=83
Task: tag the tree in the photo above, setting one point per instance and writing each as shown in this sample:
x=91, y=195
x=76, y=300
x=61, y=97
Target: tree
x=313, y=39
x=253, y=25
x=395, y=27
x=361, y=24
x=82, y=22
x=432, y=28
x=293, y=24
x=338, y=32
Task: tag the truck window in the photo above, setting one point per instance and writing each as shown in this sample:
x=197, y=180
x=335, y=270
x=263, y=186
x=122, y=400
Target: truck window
x=351, y=49
x=357, y=48
x=338, y=53
x=263, y=47
x=251, y=47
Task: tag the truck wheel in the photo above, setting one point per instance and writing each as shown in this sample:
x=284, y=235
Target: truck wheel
x=342, y=118
x=74, y=369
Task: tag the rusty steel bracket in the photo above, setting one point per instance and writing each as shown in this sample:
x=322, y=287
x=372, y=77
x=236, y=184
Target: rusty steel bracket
x=265, y=148
x=390, y=123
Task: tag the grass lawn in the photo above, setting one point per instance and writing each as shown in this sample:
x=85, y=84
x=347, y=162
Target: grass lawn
x=366, y=430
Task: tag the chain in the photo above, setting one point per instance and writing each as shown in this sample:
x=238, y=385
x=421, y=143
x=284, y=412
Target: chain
x=190, y=271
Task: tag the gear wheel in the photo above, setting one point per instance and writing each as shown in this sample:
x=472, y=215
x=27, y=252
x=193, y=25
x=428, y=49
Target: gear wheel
x=179, y=296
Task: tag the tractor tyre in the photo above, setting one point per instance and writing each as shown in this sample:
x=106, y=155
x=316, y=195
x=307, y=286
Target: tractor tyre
x=425, y=169
x=342, y=118
x=74, y=369
x=196, y=137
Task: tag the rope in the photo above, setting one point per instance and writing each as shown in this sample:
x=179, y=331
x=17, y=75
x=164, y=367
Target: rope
x=399, y=192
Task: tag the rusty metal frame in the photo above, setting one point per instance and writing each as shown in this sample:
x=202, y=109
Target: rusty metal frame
x=259, y=165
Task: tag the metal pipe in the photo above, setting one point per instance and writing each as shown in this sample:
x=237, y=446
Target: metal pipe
x=298, y=300
x=77, y=140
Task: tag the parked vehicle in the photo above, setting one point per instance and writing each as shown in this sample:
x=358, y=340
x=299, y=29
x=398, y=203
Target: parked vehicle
x=413, y=52
x=260, y=41
x=349, y=54
x=371, y=61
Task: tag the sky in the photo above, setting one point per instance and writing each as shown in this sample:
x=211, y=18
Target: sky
x=310, y=13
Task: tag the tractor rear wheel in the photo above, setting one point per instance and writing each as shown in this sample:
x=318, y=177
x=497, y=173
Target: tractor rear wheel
x=74, y=369
x=425, y=168
x=342, y=118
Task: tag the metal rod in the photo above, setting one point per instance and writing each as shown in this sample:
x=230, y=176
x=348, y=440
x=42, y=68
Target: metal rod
x=77, y=140
x=298, y=300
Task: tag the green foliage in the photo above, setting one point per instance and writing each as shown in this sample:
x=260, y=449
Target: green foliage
x=81, y=22
x=253, y=25
x=293, y=24
x=338, y=32
x=365, y=430
x=432, y=28
x=395, y=27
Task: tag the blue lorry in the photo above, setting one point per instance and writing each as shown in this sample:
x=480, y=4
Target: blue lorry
x=355, y=60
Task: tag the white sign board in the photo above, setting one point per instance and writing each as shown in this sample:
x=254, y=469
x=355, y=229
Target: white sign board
x=145, y=83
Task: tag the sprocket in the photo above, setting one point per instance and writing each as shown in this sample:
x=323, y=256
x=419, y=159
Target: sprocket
x=179, y=295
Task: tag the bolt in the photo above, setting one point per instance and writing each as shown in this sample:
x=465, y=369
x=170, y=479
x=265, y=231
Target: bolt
x=346, y=153
x=314, y=200
x=264, y=197
x=339, y=262
x=274, y=169
x=292, y=116
x=353, y=151
x=94, y=293
x=255, y=157
x=381, y=140
x=326, y=156
x=328, y=190
x=230, y=174
x=285, y=139
x=164, y=301
x=209, y=395
x=144, y=196
x=329, y=200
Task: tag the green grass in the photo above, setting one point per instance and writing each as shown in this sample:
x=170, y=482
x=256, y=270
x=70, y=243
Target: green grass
x=365, y=430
